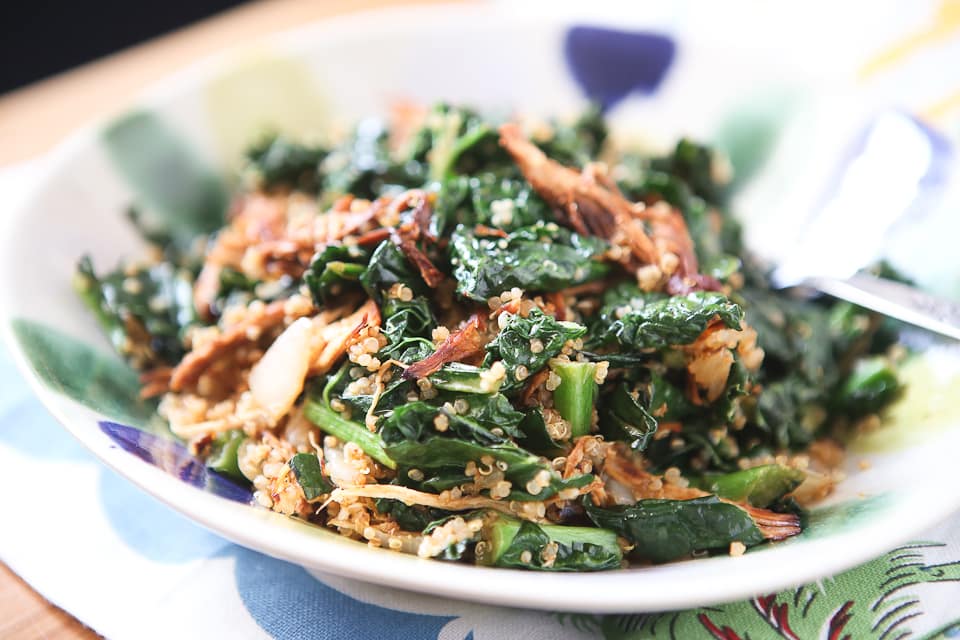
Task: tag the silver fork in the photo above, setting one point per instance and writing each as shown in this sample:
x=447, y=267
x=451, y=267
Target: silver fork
x=895, y=172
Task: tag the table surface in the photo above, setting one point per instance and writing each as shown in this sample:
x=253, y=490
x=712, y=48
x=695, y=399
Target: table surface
x=33, y=119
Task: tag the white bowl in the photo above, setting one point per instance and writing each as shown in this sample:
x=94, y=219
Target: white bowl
x=332, y=73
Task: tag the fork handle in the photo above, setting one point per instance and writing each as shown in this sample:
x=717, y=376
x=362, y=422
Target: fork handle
x=896, y=300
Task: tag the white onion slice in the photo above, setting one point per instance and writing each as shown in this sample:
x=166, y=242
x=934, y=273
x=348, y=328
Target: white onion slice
x=277, y=378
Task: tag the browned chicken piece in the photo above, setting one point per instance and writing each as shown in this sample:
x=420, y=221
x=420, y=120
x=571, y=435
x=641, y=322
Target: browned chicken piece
x=250, y=328
x=255, y=218
x=622, y=467
x=590, y=207
x=428, y=271
x=592, y=204
x=263, y=237
x=463, y=345
x=156, y=382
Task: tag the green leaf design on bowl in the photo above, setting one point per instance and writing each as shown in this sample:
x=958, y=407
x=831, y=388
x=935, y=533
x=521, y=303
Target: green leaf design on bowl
x=177, y=190
x=99, y=381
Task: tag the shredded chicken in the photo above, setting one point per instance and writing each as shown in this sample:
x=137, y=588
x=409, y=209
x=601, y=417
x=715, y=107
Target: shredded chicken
x=463, y=345
x=590, y=208
x=260, y=319
x=592, y=204
x=274, y=235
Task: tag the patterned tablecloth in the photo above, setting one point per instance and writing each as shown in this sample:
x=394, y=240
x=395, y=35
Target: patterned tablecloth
x=129, y=567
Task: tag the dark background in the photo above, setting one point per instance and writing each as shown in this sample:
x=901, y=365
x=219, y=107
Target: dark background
x=39, y=38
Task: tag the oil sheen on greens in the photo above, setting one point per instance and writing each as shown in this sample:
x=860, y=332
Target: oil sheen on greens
x=565, y=346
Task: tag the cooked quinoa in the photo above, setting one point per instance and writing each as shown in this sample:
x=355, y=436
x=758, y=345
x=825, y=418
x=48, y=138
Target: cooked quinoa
x=474, y=340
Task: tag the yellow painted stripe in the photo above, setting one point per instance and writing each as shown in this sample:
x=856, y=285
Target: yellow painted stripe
x=943, y=25
x=942, y=108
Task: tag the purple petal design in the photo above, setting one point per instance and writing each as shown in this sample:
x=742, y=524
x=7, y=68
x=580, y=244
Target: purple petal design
x=172, y=457
x=609, y=65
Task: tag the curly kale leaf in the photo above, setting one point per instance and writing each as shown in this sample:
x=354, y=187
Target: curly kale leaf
x=665, y=530
x=535, y=437
x=280, y=162
x=543, y=257
x=145, y=312
x=416, y=422
x=694, y=163
x=448, y=456
x=656, y=321
x=506, y=203
x=465, y=378
x=512, y=344
x=407, y=326
x=333, y=269
x=307, y=470
x=580, y=142
x=317, y=410
x=363, y=166
x=623, y=417
x=387, y=267
x=456, y=140
x=237, y=289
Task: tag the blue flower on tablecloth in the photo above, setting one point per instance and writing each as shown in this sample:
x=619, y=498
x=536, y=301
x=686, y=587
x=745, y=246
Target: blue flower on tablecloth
x=26, y=426
x=289, y=603
x=609, y=64
x=150, y=527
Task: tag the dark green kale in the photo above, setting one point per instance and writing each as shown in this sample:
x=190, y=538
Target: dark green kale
x=414, y=518
x=525, y=545
x=222, y=457
x=236, y=289
x=521, y=468
x=144, y=311
x=364, y=167
x=417, y=421
x=694, y=164
x=465, y=378
x=456, y=140
x=759, y=486
x=317, y=410
x=578, y=143
x=505, y=203
x=667, y=400
x=309, y=474
x=535, y=437
x=333, y=270
x=871, y=385
x=665, y=530
x=543, y=257
x=387, y=267
x=407, y=326
x=278, y=161
x=656, y=321
x=624, y=418
x=513, y=344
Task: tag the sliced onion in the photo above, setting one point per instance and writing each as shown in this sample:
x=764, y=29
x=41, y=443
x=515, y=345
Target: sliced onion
x=277, y=378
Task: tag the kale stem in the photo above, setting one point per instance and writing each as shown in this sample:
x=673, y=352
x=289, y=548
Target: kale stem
x=575, y=396
x=333, y=423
